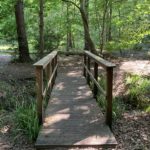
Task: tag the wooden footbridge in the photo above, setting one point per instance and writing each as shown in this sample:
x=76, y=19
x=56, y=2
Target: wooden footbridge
x=72, y=117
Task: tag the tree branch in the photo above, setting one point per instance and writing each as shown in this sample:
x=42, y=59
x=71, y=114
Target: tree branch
x=71, y=3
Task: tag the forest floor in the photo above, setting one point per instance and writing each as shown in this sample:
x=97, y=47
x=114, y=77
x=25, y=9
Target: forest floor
x=132, y=130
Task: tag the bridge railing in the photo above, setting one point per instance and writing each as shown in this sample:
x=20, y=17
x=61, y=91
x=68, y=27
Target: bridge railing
x=45, y=70
x=108, y=66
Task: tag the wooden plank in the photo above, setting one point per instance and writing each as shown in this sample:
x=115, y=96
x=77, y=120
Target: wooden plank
x=95, y=81
x=100, y=60
x=95, y=89
x=50, y=80
x=109, y=96
x=89, y=68
x=72, y=119
x=39, y=88
x=47, y=59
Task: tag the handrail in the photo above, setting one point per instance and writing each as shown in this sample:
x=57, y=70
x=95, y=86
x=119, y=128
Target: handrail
x=104, y=63
x=49, y=65
x=45, y=60
x=108, y=66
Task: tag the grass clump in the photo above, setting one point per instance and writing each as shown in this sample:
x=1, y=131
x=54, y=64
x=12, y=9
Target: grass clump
x=138, y=91
x=18, y=98
x=26, y=120
x=118, y=106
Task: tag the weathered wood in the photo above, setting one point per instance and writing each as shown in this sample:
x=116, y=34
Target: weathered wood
x=49, y=65
x=39, y=87
x=95, y=89
x=109, y=96
x=84, y=62
x=48, y=71
x=108, y=66
x=50, y=80
x=73, y=118
x=95, y=82
x=44, y=61
x=56, y=62
x=88, y=66
x=100, y=60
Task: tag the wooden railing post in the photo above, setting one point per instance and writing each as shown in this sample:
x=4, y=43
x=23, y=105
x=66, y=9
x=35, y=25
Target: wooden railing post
x=39, y=87
x=109, y=96
x=48, y=71
x=95, y=89
x=56, y=63
x=49, y=65
x=53, y=66
x=88, y=66
x=84, y=62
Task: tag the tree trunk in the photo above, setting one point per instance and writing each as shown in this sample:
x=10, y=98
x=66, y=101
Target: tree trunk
x=88, y=39
x=81, y=8
x=21, y=32
x=103, y=25
x=69, y=33
x=97, y=16
x=86, y=10
x=41, y=27
x=110, y=21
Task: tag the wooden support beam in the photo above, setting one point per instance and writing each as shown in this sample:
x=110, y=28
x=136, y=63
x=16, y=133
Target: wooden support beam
x=95, y=90
x=88, y=66
x=39, y=88
x=84, y=62
x=108, y=66
x=49, y=64
x=109, y=96
x=95, y=82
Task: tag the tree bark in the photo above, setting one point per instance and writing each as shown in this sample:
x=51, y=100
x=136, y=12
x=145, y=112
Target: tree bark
x=85, y=25
x=110, y=21
x=86, y=10
x=103, y=25
x=88, y=39
x=41, y=27
x=69, y=33
x=21, y=32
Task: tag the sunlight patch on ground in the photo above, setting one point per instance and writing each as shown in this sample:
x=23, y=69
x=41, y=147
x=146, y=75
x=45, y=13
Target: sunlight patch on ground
x=140, y=67
x=5, y=129
x=5, y=47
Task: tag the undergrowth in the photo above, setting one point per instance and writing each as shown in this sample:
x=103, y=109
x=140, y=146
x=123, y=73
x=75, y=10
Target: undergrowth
x=138, y=93
x=137, y=96
x=118, y=105
x=18, y=98
x=26, y=120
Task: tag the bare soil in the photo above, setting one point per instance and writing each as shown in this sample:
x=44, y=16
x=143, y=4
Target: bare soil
x=132, y=131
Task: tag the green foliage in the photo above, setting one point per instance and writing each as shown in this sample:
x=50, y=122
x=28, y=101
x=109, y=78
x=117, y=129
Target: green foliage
x=19, y=99
x=129, y=23
x=102, y=81
x=26, y=120
x=138, y=91
x=15, y=93
x=118, y=106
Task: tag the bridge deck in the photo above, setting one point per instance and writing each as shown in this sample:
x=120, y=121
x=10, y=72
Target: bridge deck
x=72, y=117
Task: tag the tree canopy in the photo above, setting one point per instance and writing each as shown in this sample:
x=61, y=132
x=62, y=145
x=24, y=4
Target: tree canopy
x=113, y=24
